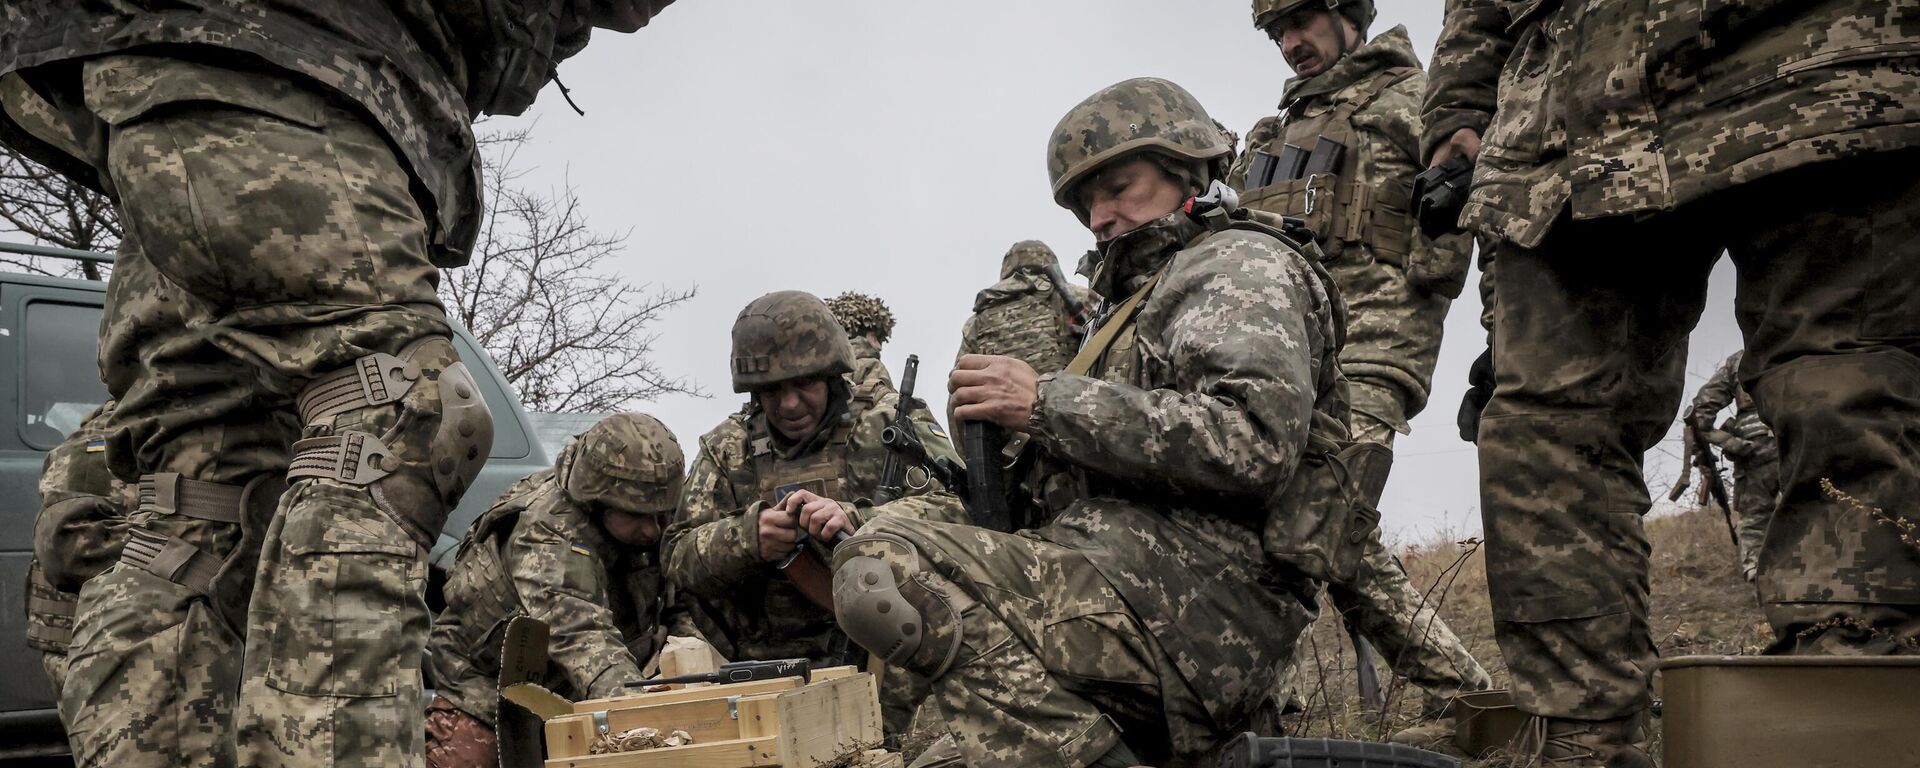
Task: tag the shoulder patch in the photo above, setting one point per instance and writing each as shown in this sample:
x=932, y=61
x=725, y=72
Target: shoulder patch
x=576, y=548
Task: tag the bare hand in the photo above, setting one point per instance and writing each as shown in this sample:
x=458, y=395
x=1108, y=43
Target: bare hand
x=778, y=533
x=994, y=389
x=1465, y=141
x=823, y=518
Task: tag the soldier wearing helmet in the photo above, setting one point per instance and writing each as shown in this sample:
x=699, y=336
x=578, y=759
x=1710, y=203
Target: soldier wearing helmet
x=1142, y=619
x=576, y=547
x=1340, y=157
x=869, y=325
x=1023, y=315
x=803, y=457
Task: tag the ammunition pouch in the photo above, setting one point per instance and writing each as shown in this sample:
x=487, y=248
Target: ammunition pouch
x=411, y=428
x=50, y=613
x=1319, y=525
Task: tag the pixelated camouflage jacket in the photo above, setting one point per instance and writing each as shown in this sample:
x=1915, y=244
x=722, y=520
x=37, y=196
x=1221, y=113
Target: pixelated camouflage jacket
x=1720, y=391
x=1394, y=332
x=403, y=61
x=1174, y=450
x=746, y=607
x=1022, y=316
x=1609, y=107
x=867, y=366
x=78, y=533
x=537, y=553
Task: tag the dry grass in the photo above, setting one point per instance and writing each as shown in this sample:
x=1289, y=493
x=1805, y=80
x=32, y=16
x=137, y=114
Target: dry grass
x=1701, y=605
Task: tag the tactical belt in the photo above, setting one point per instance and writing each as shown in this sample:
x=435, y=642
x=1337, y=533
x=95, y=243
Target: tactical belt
x=171, y=559
x=168, y=493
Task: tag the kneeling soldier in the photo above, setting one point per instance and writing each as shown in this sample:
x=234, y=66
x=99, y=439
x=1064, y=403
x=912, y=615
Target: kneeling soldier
x=573, y=546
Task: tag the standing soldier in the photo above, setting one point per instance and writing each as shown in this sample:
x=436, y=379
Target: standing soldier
x=1142, y=621
x=1341, y=156
x=1627, y=146
x=869, y=325
x=576, y=547
x=1748, y=443
x=801, y=463
x=1030, y=314
x=77, y=535
x=290, y=175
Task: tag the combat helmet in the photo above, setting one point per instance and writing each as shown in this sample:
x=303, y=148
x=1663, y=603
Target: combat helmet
x=1027, y=254
x=1142, y=114
x=787, y=335
x=628, y=462
x=861, y=314
x=1360, y=12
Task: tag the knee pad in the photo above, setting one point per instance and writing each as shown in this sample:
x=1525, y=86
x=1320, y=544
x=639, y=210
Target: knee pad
x=889, y=602
x=411, y=428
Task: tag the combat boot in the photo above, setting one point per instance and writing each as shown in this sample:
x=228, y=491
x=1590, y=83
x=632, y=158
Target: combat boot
x=1551, y=742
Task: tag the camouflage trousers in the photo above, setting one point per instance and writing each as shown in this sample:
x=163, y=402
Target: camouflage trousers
x=1053, y=668
x=1387, y=610
x=271, y=237
x=1756, y=489
x=1590, y=333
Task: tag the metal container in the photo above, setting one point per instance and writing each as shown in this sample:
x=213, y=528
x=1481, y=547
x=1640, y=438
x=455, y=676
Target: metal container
x=1791, y=711
x=1485, y=721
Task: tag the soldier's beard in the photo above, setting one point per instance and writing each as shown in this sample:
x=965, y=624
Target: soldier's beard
x=1128, y=258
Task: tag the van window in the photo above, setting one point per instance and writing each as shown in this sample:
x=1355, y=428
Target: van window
x=62, y=371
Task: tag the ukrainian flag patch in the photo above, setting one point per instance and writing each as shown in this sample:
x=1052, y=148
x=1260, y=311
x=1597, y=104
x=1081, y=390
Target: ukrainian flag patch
x=934, y=427
x=96, y=445
x=579, y=550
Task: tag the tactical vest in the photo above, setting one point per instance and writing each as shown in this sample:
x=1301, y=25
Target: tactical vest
x=1031, y=326
x=1318, y=524
x=1339, y=209
x=50, y=613
x=825, y=472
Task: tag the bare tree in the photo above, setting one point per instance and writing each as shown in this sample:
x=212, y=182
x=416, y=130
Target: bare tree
x=44, y=206
x=538, y=295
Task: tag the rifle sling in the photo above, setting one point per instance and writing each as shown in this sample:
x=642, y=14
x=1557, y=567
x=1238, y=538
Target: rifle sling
x=1096, y=347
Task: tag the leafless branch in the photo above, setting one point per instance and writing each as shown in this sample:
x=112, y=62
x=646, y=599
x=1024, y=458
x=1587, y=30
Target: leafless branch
x=41, y=205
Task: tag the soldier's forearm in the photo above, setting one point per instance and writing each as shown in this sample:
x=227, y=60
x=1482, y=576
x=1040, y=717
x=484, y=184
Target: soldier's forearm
x=713, y=559
x=1464, y=82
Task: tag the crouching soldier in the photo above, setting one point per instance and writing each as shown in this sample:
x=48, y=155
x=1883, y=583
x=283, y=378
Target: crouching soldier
x=575, y=547
x=798, y=466
x=1143, y=622
x=78, y=535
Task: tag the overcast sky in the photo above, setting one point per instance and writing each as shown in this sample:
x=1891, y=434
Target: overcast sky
x=896, y=148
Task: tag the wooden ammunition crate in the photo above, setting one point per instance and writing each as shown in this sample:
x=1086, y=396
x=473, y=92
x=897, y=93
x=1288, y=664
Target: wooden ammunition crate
x=780, y=722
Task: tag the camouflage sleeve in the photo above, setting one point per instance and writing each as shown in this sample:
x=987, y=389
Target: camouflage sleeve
x=562, y=580
x=81, y=526
x=1713, y=397
x=966, y=338
x=1246, y=325
x=1463, y=84
x=1258, y=138
x=925, y=497
x=713, y=545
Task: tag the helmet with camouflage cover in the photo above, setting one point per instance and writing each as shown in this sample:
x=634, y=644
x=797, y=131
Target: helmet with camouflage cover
x=628, y=462
x=861, y=314
x=1027, y=254
x=787, y=335
x=1138, y=115
x=1360, y=12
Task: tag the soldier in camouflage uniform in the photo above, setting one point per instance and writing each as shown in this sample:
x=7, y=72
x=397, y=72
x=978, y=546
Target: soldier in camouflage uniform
x=1364, y=94
x=289, y=175
x=869, y=325
x=1626, y=146
x=575, y=547
x=1747, y=442
x=77, y=535
x=1141, y=620
x=1022, y=315
x=803, y=456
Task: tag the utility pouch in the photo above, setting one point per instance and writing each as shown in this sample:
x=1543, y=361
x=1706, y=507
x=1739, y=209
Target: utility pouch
x=1319, y=525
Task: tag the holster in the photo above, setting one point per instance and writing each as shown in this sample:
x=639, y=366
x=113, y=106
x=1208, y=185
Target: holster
x=232, y=586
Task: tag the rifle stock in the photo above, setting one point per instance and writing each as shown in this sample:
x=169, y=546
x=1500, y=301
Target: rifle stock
x=980, y=446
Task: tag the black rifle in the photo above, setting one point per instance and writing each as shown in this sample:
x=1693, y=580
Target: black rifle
x=738, y=672
x=893, y=473
x=1076, y=311
x=906, y=444
x=1439, y=193
x=980, y=446
x=1700, y=454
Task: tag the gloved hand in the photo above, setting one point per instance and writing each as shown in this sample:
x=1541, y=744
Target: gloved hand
x=1736, y=448
x=1480, y=376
